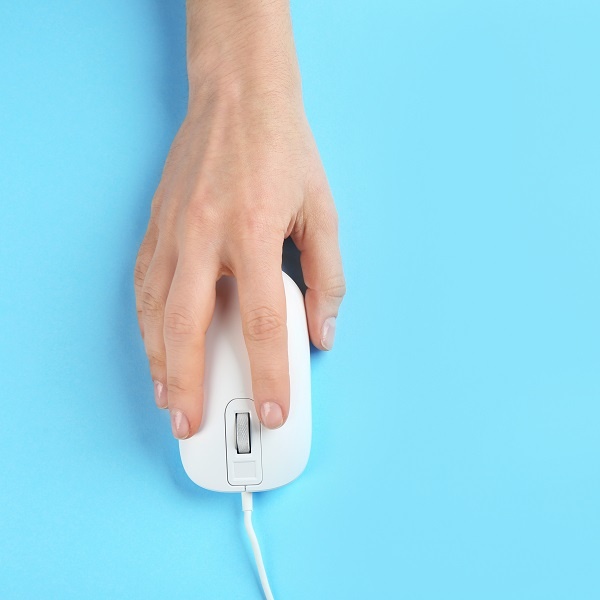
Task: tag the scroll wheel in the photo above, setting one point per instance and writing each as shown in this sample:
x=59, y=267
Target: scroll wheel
x=242, y=433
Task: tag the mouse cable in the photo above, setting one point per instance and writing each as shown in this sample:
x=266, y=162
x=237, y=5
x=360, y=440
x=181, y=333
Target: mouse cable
x=247, y=508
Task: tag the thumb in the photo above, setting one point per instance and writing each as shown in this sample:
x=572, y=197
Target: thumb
x=317, y=240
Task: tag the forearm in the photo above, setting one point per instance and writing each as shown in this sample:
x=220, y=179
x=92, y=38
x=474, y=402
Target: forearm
x=236, y=44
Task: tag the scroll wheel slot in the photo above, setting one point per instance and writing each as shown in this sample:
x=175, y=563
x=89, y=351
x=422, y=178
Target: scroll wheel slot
x=242, y=433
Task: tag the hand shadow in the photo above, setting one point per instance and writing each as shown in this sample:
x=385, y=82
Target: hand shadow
x=291, y=265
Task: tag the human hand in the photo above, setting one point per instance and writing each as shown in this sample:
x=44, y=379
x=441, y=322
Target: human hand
x=242, y=174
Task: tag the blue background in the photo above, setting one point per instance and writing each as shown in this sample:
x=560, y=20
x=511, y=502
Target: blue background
x=456, y=425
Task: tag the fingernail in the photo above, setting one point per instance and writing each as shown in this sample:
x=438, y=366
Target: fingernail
x=160, y=395
x=328, y=333
x=271, y=415
x=179, y=424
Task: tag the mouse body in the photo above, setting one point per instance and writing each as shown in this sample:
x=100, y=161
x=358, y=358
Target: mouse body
x=232, y=451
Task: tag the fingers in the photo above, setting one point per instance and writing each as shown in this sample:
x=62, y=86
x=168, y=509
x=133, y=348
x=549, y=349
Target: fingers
x=153, y=300
x=262, y=306
x=142, y=263
x=188, y=312
x=322, y=269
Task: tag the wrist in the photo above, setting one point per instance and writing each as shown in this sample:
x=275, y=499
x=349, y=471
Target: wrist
x=235, y=46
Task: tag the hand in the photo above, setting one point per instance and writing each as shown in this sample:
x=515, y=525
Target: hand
x=243, y=174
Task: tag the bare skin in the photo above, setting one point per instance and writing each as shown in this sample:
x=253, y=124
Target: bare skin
x=242, y=175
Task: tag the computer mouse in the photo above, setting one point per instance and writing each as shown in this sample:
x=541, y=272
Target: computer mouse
x=232, y=451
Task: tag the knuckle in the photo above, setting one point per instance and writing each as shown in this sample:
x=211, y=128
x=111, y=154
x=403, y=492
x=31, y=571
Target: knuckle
x=180, y=324
x=144, y=257
x=263, y=323
x=318, y=187
x=335, y=287
x=333, y=217
x=140, y=269
x=269, y=378
x=175, y=384
x=156, y=360
x=200, y=215
x=254, y=223
x=152, y=303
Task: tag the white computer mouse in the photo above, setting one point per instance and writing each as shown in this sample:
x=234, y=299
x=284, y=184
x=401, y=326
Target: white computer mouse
x=232, y=451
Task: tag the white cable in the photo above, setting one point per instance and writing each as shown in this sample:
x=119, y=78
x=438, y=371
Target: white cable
x=247, y=508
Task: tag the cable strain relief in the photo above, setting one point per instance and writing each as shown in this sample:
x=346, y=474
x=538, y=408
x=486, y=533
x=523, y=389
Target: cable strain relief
x=247, y=501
